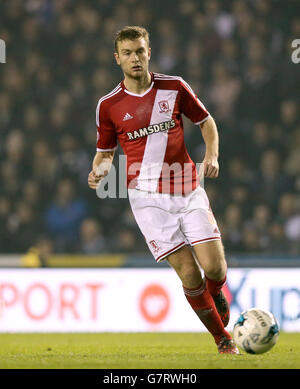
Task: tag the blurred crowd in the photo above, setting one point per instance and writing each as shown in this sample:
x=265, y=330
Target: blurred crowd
x=236, y=55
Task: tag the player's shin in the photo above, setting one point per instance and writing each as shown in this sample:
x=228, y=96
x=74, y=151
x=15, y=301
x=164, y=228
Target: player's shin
x=214, y=287
x=203, y=304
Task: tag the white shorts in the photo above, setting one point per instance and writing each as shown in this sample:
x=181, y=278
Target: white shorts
x=169, y=222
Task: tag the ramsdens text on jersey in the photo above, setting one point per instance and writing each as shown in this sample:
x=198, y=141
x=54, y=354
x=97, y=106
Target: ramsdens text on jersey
x=164, y=126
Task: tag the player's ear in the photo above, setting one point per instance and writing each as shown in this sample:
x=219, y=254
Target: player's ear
x=149, y=53
x=117, y=58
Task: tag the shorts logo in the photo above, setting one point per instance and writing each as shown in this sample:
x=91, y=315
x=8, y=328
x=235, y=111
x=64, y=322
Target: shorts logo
x=154, y=245
x=164, y=106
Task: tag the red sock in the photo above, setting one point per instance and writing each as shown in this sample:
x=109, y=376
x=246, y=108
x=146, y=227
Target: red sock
x=214, y=287
x=204, y=306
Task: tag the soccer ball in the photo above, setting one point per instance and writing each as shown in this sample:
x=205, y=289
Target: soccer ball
x=256, y=331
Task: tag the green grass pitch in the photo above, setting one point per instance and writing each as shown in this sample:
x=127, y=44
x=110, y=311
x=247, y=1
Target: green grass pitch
x=137, y=351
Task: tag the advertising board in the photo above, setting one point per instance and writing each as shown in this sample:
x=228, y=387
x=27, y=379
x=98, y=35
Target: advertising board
x=123, y=300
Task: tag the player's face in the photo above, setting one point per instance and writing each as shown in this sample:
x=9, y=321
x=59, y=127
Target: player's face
x=133, y=57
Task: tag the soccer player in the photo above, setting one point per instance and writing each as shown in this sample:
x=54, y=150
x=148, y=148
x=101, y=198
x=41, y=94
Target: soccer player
x=171, y=208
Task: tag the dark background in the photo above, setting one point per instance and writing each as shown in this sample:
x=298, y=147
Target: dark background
x=236, y=55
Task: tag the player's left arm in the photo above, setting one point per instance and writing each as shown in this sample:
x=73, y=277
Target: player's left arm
x=193, y=108
x=211, y=139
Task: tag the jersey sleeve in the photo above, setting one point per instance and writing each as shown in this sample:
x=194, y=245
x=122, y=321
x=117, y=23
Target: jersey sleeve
x=106, y=134
x=190, y=105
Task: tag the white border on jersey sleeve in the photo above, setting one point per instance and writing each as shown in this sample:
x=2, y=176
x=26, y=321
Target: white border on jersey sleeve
x=105, y=150
x=203, y=120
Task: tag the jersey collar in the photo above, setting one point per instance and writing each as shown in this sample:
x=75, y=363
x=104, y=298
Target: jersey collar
x=136, y=94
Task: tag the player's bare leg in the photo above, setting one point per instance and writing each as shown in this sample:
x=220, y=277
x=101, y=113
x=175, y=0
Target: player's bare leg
x=186, y=267
x=200, y=299
x=211, y=258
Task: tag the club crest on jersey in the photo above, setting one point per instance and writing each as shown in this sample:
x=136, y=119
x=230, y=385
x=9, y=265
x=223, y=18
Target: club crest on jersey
x=164, y=106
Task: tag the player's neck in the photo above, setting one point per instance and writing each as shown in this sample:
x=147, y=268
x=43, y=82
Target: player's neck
x=138, y=86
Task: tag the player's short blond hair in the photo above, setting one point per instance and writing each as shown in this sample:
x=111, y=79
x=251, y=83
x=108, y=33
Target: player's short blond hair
x=131, y=33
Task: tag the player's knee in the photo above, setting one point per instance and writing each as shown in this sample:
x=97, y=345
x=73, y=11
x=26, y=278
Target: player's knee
x=186, y=267
x=215, y=269
x=190, y=275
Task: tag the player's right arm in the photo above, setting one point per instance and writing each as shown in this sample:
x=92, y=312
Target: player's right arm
x=101, y=166
x=106, y=144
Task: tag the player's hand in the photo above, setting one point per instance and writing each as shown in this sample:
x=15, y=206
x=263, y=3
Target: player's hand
x=93, y=179
x=98, y=173
x=211, y=167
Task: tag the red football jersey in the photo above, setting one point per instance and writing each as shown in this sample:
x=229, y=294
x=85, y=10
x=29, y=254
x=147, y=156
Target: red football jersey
x=149, y=129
